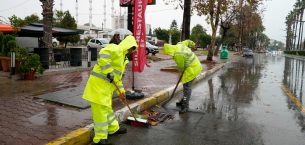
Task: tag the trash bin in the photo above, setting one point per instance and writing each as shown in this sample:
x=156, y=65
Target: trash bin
x=224, y=53
x=75, y=56
x=44, y=56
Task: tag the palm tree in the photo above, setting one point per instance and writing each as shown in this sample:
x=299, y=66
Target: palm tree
x=289, y=22
x=47, y=13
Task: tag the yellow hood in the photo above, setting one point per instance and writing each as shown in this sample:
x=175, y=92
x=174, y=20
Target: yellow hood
x=128, y=43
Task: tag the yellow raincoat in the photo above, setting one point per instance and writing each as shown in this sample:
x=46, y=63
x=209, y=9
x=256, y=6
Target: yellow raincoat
x=99, y=90
x=111, y=60
x=185, y=60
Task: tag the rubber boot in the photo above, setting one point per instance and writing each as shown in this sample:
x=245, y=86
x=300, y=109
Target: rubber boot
x=122, y=130
x=103, y=142
x=184, y=107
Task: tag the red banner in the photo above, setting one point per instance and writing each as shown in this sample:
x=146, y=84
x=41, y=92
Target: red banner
x=139, y=31
x=126, y=3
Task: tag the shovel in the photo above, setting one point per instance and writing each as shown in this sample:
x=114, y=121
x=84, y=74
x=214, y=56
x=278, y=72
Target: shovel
x=135, y=122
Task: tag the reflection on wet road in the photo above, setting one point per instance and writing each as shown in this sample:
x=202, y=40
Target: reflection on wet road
x=242, y=104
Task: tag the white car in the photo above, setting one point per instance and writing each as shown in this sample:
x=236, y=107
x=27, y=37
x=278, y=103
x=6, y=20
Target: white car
x=97, y=43
x=151, y=49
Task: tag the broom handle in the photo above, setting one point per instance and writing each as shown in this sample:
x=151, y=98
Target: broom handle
x=176, y=86
x=125, y=101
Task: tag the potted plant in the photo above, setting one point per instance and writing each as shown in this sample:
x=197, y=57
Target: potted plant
x=9, y=43
x=30, y=65
x=1, y=46
x=21, y=56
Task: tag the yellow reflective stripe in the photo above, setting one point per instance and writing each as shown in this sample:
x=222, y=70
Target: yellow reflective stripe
x=100, y=124
x=189, y=56
x=104, y=56
x=98, y=131
x=179, y=53
x=109, y=122
x=105, y=66
x=117, y=71
x=190, y=62
x=99, y=76
x=110, y=115
x=182, y=48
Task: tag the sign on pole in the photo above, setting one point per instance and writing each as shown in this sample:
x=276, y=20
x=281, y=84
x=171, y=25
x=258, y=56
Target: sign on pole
x=139, y=31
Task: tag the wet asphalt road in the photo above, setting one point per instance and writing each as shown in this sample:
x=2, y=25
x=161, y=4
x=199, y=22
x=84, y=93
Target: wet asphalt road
x=242, y=104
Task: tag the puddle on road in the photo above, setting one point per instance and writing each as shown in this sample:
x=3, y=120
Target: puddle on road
x=60, y=117
x=249, y=91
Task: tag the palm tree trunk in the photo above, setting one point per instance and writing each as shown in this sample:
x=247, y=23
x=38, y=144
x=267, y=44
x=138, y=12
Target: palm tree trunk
x=300, y=30
x=47, y=13
x=295, y=32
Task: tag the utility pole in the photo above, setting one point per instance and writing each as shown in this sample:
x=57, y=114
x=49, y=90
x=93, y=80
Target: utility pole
x=60, y=5
x=76, y=10
x=105, y=12
x=90, y=14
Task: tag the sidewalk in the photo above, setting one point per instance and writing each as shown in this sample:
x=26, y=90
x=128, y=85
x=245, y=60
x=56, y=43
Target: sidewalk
x=28, y=120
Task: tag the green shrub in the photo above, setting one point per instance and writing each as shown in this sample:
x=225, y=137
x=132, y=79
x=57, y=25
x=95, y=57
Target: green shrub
x=31, y=63
x=300, y=53
x=6, y=47
x=21, y=54
x=1, y=42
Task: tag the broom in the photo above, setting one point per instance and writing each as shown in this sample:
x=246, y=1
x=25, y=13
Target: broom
x=173, y=93
x=132, y=121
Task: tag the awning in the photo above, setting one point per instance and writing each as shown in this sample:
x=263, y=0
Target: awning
x=36, y=30
x=6, y=28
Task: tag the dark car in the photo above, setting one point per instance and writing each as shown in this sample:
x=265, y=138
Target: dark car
x=247, y=52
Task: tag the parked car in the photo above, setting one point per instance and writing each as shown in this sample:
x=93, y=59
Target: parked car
x=55, y=42
x=247, y=52
x=97, y=43
x=151, y=49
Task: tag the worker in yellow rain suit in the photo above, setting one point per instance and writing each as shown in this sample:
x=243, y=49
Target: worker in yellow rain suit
x=189, y=66
x=99, y=88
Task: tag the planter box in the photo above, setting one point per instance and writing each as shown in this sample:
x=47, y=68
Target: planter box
x=0, y=65
x=29, y=75
x=6, y=63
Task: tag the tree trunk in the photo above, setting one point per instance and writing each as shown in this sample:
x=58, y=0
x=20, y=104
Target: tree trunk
x=214, y=24
x=186, y=20
x=47, y=13
x=295, y=32
x=240, y=25
x=288, y=39
x=300, y=31
x=225, y=30
x=210, y=53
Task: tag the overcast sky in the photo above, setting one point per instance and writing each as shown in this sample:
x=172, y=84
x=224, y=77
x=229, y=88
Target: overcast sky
x=159, y=15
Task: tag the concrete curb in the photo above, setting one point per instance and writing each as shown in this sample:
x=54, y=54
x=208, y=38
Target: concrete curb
x=84, y=135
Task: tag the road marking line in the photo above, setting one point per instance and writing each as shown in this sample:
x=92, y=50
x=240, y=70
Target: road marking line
x=293, y=98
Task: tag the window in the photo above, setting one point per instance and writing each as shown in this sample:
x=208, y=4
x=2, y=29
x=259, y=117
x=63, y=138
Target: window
x=98, y=42
x=93, y=41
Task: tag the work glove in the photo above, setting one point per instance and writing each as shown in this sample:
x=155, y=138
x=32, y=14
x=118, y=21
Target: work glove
x=110, y=76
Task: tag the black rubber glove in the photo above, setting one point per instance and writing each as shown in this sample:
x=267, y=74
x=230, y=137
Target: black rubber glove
x=110, y=76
